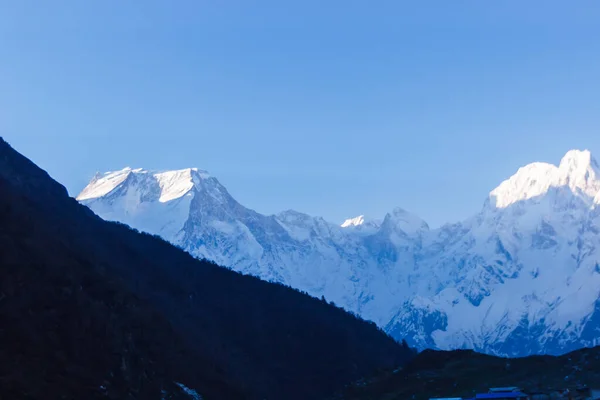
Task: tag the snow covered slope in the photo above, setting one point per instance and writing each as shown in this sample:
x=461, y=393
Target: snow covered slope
x=521, y=276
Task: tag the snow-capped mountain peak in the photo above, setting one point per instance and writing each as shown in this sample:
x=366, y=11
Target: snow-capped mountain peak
x=580, y=171
x=102, y=184
x=400, y=219
x=140, y=197
x=361, y=225
x=577, y=171
x=171, y=185
x=578, y=160
x=175, y=184
x=356, y=221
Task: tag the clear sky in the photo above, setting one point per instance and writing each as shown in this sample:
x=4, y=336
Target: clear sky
x=334, y=108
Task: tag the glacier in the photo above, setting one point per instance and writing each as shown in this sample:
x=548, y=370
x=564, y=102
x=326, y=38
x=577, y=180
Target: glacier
x=519, y=277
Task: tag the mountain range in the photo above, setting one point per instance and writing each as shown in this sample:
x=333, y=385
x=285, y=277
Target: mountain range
x=91, y=309
x=519, y=277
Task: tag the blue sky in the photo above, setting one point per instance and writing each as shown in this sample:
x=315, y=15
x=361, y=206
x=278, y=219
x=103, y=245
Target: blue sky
x=334, y=108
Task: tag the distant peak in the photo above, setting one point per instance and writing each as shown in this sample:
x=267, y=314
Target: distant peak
x=579, y=162
x=577, y=157
x=199, y=172
x=406, y=221
x=356, y=221
x=362, y=225
x=173, y=183
x=291, y=213
x=577, y=170
x=293, y=217
x=102, y=184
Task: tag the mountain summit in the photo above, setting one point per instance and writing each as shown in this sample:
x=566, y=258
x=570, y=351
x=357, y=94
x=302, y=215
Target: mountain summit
x=519, y=277
x=578, y=171
x=163, y=186
x=356, y=221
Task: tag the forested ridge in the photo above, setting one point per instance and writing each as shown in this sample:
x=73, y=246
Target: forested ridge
x=90, y=308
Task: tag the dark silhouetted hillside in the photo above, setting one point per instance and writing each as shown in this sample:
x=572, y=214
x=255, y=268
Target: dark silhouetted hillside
x=92, y=309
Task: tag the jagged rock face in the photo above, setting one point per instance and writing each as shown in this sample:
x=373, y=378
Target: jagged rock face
x=522, y=276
